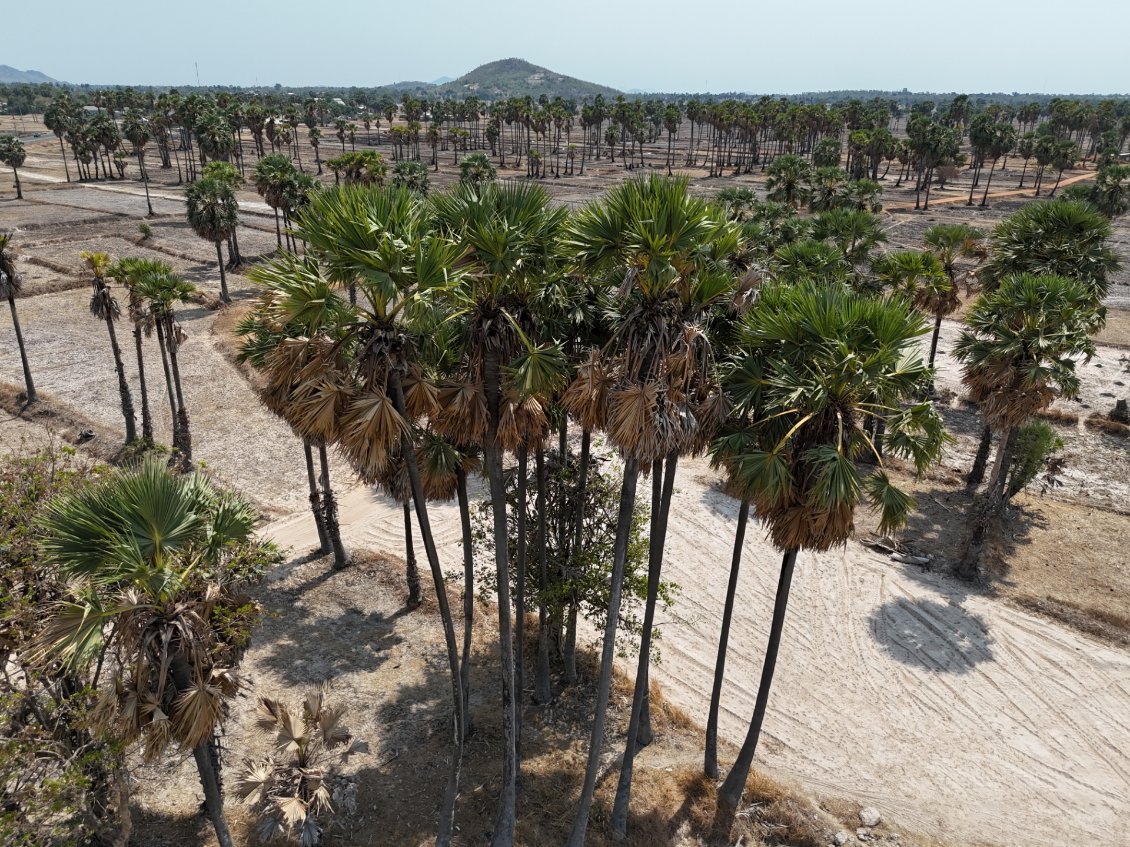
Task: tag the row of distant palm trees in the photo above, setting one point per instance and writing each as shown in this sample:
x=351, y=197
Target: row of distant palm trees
x=421, y=338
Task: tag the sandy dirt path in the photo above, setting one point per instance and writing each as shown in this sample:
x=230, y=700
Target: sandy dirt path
x=963, y=196
x=962, y=718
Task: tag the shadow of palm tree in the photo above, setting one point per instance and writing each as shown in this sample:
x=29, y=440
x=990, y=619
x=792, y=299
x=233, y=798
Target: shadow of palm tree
x=940, y=637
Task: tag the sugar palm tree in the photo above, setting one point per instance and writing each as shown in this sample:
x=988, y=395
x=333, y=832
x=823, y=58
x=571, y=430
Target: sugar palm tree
x=136, y=130
x=272, y=177
x=10, y=285
x=816, y=361
x=648, y=386
x=146, y=554
x=508, y=234
x=161, y=288
x=352, y=390
x=1020, y=348
x=1064, y=238
x=922, y=278
x=855, y=232
x=12, y=154
x=104, y=306
x=786, y=179
x=264, y=331
x=213, y=214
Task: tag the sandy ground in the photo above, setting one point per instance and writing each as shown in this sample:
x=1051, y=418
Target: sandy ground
x=960, y=716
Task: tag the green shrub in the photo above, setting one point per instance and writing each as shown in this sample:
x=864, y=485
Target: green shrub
x=1034, y=452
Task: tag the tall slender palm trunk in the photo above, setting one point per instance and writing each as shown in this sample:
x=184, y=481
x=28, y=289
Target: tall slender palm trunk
x=604, y=681
x=542, y=687
x=578, y=527
x=505, y=816
x=29, y=383
x=63, y=151
x=146, y=416
x=123, y=384
x=446, y=822
x=144, y=182
x=316, y=507
x=520, y=603
x=329, y=509
x=710, y=762
x=184, y=446
x=411, y=572
x=730, y=792
x=468, y=595
x=934, y=337
x=169, y=391
x=223, y=276
x=663, y=482
x=981, y=459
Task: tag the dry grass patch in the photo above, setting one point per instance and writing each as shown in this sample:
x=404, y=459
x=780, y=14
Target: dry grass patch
x=1102, y=423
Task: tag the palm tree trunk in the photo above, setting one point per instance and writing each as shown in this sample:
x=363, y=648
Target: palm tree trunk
x=934, y=338
x=223, y=277
x=542, y=689
x=213, y=799
x=66, y=168
x=185, y=443
x=730, y=792
x=977, y=472
x=278, y=229
x=159, y=323
x=145, y=182
x=329, y=507
x=505, y=817
x=146, y=417
x=710, y=764
x=604, y=681
x=29, y=384
x=447, y=808
x=411, y=572
x=1001, y=462
x=988, y=182
x=578, y=526
x=316, y=500
x=662, y=485
x=123, y=385
x=468, y=595
x=520, y=603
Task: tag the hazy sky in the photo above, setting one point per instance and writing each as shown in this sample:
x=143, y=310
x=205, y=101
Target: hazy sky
x=663, y=45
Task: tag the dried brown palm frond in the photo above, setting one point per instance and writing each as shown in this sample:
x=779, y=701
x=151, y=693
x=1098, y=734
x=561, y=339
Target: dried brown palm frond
x=369, y=432
x=710, y=413
x=421, y=396
x=586, y=398
x=317, y=407
x=521, y=420
x=633, y=423
x=196, y=712
x=462, y=416
x=439, y=461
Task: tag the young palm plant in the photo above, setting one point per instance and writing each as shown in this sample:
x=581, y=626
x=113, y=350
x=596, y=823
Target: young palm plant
x=152, y=559
x=104, y=306
x=816, y=361
x=10, y=285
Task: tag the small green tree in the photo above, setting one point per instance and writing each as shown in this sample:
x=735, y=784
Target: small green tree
x=13, y=155
x=476, y=169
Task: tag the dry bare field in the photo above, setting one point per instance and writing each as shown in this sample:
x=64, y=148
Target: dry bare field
x=968, y=716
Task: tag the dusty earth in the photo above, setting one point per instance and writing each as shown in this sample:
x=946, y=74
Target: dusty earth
x=967, y=715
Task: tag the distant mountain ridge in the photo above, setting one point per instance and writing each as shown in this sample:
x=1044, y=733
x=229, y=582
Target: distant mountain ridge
x=519, y=78
x=10, y=74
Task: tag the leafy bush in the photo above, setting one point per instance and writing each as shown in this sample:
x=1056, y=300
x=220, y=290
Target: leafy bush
x=1034, y=452
x=477, y=169
x=145, y=229
x=411, y=175
x=578, y=579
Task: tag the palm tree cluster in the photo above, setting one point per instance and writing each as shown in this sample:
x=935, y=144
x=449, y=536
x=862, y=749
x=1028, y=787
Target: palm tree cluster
x=429, y=338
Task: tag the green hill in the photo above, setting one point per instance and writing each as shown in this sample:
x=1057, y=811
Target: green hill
x=519, y=78
x=9, y=74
